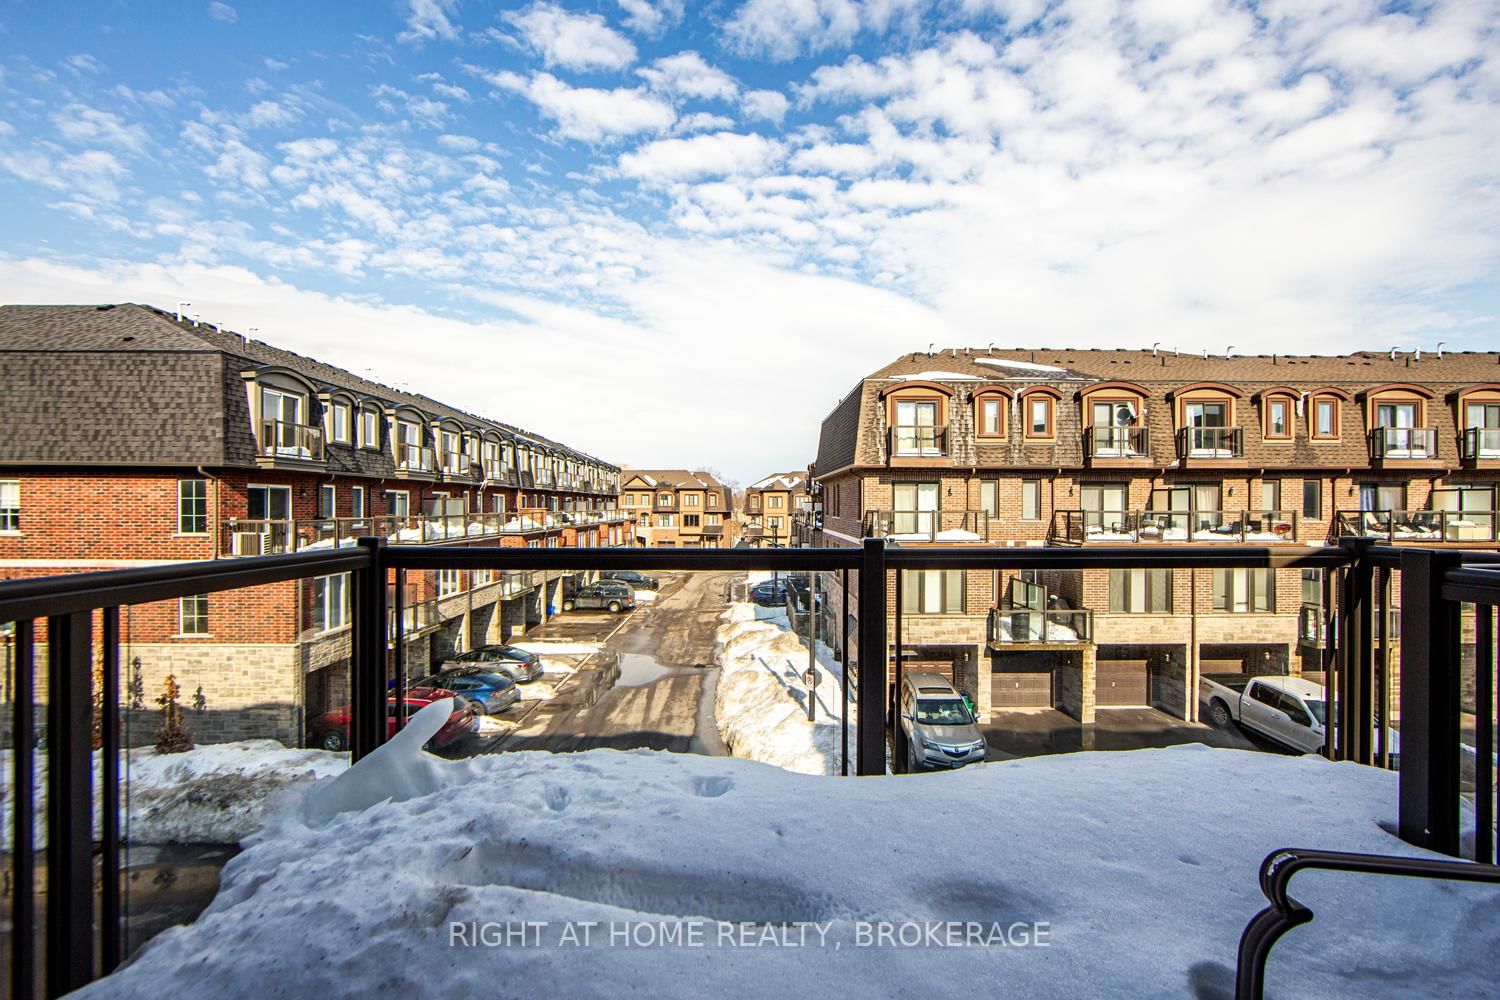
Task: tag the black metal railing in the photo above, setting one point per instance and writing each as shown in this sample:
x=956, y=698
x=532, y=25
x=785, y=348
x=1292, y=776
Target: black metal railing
x=78, y=611
x=1418, y=527
x=1481, y=442
x=1010, y=626
x=917, y=440
x=1117, y=442
x=1114, y=527
x=1210, y=442
x=1403, y=442
x=927, y=525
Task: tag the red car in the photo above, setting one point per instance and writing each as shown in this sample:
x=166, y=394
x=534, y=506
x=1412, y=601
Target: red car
x=331, y=729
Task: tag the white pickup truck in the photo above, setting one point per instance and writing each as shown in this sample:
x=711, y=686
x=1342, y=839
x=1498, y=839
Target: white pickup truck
x=1289, y=710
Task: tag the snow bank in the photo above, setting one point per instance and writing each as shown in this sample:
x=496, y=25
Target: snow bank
x=216, y=793
x=645, y=596
x=1137, y=869
x=761, y=696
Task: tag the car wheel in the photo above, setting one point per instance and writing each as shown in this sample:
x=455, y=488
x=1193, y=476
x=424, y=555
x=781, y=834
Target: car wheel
x=1218, y=712
x=567, y=605
x=911, y=758
x=614, y=607
x=333, y=740
x=479, y=708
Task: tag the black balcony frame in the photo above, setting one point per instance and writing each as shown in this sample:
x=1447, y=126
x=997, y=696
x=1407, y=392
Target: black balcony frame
x=79, y=948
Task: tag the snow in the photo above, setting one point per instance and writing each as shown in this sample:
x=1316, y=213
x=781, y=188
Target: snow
x=960, y=376
x=645, y=596
x=761, y=697
x=1138, y=869
x=216, y=793
x=1019, y=365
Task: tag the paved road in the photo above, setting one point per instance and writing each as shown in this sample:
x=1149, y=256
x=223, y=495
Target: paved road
x=662, y=696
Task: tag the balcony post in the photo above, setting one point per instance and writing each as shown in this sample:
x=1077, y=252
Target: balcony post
x=1428, y=789
x=1356, y=661
x=367, y=680
x=70, y=812
x=870, y=720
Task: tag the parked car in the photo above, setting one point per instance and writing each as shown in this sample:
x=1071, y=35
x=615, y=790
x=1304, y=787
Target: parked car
x=770, y=593
x=330, y=731
x=613, y=596
x=640, y=581
x=520, y=665
x=488, y=691
x=1289, y=710
x=940, y=728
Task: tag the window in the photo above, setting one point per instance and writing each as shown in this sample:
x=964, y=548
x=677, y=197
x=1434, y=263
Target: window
x=692, y=500
x=916, y=429
x=269, y=503
x=989, y=497
x=356, y=501
x=666, y=521
x=397, y=503
x=330, y=607
x=916, y=509
x=1382, y=496
x=1207, y=423
x=1278, y=419
x=691, y=520
x=775, y=502
x=10, y=505
x=1485, y=415
x=369, y=429
x=713, y=499
x=713, y=519
x=1244, y=590
x=192, y=507
x=1140, y=591
x=450, y=582
x=1312, y=499
x=932, y=592
x=1039, y=416
x=664, y=499
x=192, y=615
x=1325, y=418
x=327, y=500
x=1031, y=499
x=340, y=417
x=991, y=416
x=1270, y=494
x=1312, y=586
x=776, y=524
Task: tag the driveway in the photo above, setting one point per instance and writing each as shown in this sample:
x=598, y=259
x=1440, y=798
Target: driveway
x=1036, y=732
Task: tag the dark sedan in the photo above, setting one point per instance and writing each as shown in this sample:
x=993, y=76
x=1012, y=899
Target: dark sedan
x=518, y=664
x=639, y=581
x=486, y=691
x=770, y=593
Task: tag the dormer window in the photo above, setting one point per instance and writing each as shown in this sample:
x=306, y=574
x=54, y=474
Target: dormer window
x=1397, y=416
x=369, y=428
x=1278, y=418
x=339, y=415
x=1325, y=423
x=992, y=416
x=1039, y=411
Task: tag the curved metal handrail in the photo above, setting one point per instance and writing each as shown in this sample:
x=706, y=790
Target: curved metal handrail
x=1284, y=913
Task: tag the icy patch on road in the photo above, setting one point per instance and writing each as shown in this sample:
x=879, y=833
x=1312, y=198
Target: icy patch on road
x=1140, y=867
x=645, y=596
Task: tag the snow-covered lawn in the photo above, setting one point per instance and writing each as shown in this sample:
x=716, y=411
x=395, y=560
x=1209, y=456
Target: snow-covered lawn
x=761, y=698
x=411, y=875
x=216, y=793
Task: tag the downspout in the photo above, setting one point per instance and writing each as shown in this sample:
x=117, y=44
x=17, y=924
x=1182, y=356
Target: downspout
x=214, y=521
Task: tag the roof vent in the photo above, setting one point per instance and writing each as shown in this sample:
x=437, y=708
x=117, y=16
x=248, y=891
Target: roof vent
x=180, y=307
x=103, y=309
x=128, y=338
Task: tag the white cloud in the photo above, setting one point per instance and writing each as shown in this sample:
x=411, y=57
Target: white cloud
x=428, y=20
x=651, y=18
x=84, y=125
x=590, y=114
x=572, y=41
x=700, y=156
x=270, y=114
x=686, y=75
x=6, y=128
x=784, y=29
x=698, y=121
x=766, y=105
x=223, y=12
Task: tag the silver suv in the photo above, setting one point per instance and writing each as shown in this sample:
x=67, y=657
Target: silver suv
x=940, y=729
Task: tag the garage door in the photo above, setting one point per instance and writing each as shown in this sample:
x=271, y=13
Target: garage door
x=1121, y=683
x=1015, y=689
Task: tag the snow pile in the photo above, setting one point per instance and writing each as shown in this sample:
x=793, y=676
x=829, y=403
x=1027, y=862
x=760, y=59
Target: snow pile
x=761, y=696
x=645, y=596
x=216, y=793
x=559, y=661
x=1130, y=874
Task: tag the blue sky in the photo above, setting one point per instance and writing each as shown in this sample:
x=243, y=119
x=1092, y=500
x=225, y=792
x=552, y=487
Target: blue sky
x=676, y=234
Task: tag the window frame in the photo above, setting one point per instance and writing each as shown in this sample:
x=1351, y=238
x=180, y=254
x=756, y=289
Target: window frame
x=1268, y=408
x=1048, y=401
x=1314, y=431
x=1253, y=595
x=1123, y=583
x=952, y=603
x=10, y=516
x=340, y=431
x=1031, y=485
x=1316, y=488
x=182, y=515
x=198, y=616
x=320, y=606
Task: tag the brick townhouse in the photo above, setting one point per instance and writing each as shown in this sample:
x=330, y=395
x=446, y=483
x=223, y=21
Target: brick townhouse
x=132, y=436
x=772, y=505
x=1102, y=447
x=677, y=508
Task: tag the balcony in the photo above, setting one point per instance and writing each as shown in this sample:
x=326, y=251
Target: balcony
x=1403, y=445
x=1481, y=447
x=262, y=537
x=1116, y=447
x=1420, y=527
x=1312, y=626
x=927, y=525
x=544, y=477
x=414, y=461
x=1012, y=627
x=457, y=465
x=917, y=441
x=288, y=445
x=668, y=504
x=1113, y=527
x=1211, y=445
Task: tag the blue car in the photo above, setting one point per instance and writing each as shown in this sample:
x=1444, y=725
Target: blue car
x=770, y=593
x=488, y=692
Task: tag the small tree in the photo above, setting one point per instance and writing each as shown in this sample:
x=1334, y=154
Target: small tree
x=173, y=736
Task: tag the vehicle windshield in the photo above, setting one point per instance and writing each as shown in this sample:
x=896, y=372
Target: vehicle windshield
x=1319, y=710
x=943, y=712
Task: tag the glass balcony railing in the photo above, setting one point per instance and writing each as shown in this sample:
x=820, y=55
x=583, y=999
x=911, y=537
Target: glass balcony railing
x=1418, y=526
x=279, y=439
x=414, y=458
x=918, y=441
x=1011, y=626
x=1403, y=443
x=1113, y=527
x=927, y=525
x=1210, y=442
x=1117, y=442
x=1481, y=442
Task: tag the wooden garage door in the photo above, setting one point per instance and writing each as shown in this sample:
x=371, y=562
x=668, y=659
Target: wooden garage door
x=1121, y=683
x=1011, y=689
